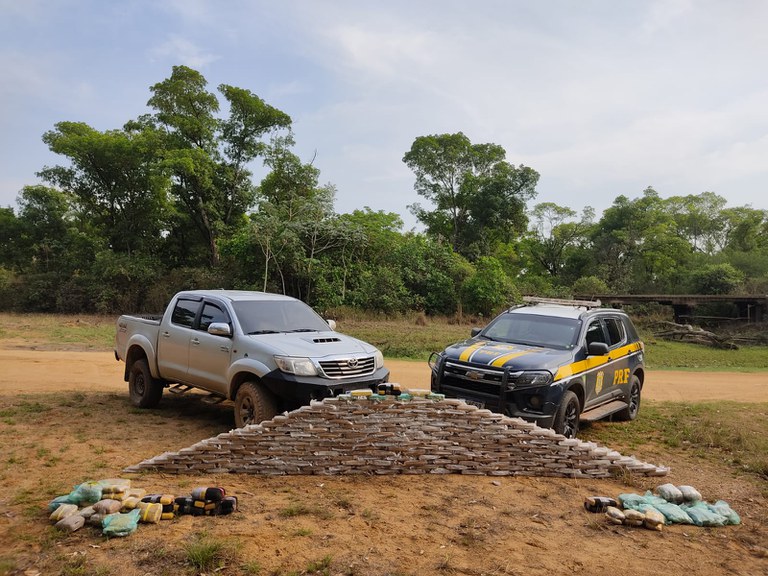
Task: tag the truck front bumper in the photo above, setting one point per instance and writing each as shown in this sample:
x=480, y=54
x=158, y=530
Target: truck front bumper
x=299, y=390
x=544, y=417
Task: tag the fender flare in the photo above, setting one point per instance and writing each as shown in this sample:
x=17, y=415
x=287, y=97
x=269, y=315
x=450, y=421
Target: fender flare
x=242, y=370
x=138, y=346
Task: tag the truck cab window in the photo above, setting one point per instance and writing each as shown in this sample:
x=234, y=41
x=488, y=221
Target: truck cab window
x=615, y=331
x=212, y=313
x=595, y=333
x=184, y=312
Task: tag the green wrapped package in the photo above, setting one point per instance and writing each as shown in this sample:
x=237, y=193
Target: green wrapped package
x=86, y=493
x=701, y=515
x=724, y=509
x=673, y=513
x=121, y=524
x=59, y=500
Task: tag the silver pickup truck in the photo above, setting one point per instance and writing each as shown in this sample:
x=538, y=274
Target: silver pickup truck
x=266, y=352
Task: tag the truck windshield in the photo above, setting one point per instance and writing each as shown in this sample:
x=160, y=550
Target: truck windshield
x=272, y=316
x=534, y=330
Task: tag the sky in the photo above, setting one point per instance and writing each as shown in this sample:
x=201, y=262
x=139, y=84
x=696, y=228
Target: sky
x=602, y=98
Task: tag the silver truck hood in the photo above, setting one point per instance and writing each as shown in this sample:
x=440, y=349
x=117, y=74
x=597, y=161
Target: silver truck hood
x=313, y=344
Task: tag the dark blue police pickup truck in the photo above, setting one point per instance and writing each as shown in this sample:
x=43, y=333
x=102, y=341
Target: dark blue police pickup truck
x=552, y=362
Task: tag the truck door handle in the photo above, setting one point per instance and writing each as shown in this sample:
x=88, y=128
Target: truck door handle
x=195, y=341
x=224, y=348
x=166, y=334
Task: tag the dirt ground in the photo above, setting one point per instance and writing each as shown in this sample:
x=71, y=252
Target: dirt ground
x=65, y=418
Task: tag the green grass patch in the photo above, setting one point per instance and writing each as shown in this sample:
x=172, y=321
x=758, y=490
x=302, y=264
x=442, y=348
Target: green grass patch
x=300, y=509
x=406, y=338
x=662, y=354
x=252, y=567
x=83, y=332
x=23, y=408
x=294, y=510
x=205, y=553
x=322, y=566
x=729, y=433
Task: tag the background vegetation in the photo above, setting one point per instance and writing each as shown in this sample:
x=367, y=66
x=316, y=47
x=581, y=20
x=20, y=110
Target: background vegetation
x=168, y=202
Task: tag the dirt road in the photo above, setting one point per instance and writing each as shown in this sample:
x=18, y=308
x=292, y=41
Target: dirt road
x=30, y=370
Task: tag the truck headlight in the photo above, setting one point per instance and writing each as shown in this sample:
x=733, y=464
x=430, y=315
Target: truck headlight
x=297, y=366
x=378, y=358
x=533, y=379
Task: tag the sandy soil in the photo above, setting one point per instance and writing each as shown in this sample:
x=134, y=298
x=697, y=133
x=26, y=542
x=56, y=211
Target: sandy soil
x=65, y=418
x=31, y=370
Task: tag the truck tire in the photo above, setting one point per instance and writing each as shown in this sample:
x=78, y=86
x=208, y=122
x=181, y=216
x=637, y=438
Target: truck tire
x=145, y=390
x=633, y=406
x=254, y=404
x=567, y=415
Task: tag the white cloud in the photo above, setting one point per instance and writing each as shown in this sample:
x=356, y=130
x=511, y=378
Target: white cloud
x=602, y=98
x=663, y=13
x=179, y=50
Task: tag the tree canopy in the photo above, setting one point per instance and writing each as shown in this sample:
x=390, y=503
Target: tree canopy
x=168, y=201
x=477, y=198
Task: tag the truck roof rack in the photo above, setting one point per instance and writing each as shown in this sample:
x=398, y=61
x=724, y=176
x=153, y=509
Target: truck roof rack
x=562, y=302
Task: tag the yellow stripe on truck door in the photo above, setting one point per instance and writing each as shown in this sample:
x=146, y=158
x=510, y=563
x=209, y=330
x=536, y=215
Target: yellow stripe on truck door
x=593, y=361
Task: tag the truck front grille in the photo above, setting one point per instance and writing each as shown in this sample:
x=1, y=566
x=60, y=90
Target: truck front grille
x=348, y=367
x=472, y=378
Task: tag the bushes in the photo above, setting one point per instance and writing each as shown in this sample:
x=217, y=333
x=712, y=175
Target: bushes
x=488, y=289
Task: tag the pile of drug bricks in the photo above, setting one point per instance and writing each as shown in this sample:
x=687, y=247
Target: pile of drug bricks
x=112, y=502
x=371, y=434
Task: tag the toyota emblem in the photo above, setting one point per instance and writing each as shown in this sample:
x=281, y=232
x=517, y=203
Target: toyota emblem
x=352, y=362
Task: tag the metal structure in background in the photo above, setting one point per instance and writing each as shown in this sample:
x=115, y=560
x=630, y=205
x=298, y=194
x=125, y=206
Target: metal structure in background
x=751, y=308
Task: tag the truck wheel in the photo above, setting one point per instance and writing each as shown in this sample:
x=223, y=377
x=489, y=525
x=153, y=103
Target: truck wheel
x=567, y=416
x=253, y=404
x=633, y=407
x=144, y=390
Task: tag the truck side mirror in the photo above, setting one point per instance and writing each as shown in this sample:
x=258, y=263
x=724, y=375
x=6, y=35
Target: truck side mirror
x=597, y=349
x=220, y=329
x=332, y=324
x=475, y=331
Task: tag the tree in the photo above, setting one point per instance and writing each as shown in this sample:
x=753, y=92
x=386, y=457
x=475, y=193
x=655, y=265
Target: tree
x=554, y=234
x=716, y=279
x=10, y=230
x=478, y=198
x=745, y=229
x=638, y=247
x=208, y=157
x=291, y=196
x=589, y=286
x=44, y=230
x=114, y=180
x=488, y=289
x=699, y=220
x=432, y=272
